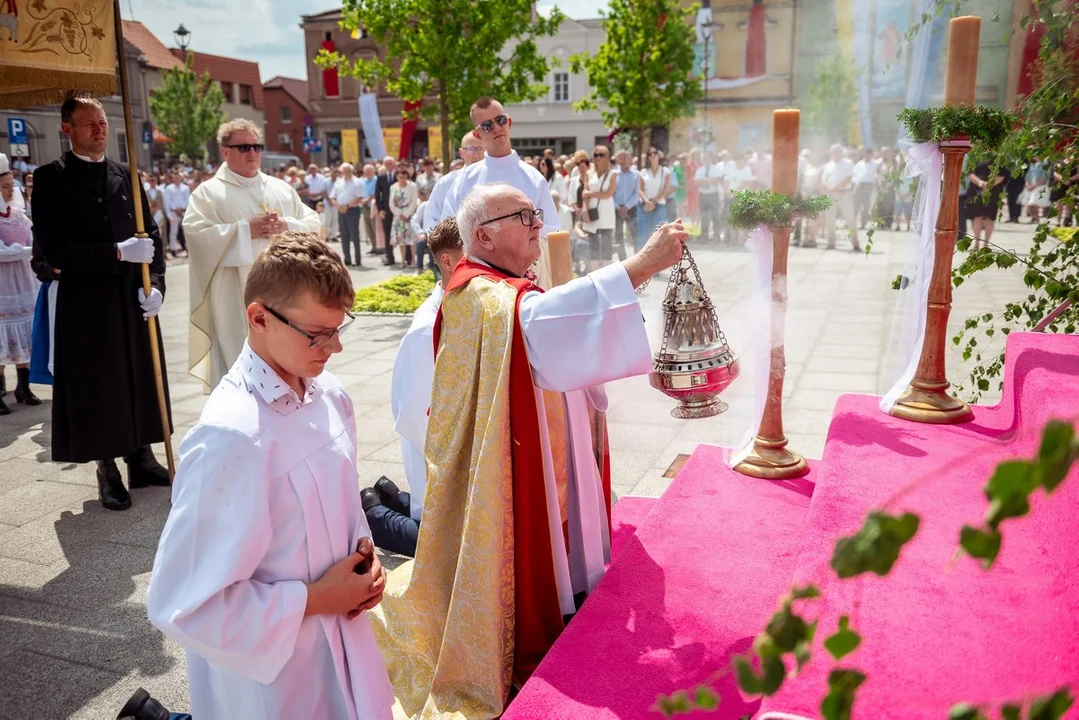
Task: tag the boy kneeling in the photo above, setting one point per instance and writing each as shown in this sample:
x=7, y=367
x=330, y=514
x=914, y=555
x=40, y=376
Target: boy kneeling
x=265, y=565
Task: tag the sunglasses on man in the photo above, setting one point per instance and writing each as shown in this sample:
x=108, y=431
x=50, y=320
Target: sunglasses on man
x=248, y=147
x=488, y=125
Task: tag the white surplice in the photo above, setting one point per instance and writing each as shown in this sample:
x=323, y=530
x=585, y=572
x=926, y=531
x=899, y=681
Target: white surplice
x=265, y=500
x=410, y=396
x=579, y=336
x=218, y=233
x=509, y=169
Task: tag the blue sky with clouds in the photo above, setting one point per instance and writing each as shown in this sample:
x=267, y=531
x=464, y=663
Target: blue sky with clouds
x=266, y=31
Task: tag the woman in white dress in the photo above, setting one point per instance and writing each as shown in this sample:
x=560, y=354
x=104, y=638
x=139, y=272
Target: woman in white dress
x=18, y=290
x=404, y=200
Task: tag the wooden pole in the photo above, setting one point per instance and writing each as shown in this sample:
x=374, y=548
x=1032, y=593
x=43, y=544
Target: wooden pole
x=927, y=400
x=770, y=459
x=140, y=232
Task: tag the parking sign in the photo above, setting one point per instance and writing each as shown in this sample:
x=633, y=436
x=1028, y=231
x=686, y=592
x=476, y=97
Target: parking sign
x=17, y=137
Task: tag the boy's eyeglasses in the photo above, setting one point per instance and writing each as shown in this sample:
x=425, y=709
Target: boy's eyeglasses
x=315, y=339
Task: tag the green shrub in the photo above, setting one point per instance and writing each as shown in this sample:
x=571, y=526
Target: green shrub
x=401, y=294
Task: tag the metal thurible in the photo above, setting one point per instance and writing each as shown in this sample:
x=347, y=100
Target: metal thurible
x=694, y=364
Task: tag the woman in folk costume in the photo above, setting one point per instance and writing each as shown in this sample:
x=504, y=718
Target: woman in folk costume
x=404, y=200
x=18, y=289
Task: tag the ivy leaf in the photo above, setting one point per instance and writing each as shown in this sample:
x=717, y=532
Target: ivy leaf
x=748, y=680
x=1008, y=490
x=984, y=544
x=844, y=641
x=802, y=654
x=787, y=629
x=1051, y=707
x=705, y=698
x=842, y=685
x=1009, y=711
x=1056, y=454
x=774, y=674
x=805, y=592
x=875, y=547
x=963, y=243
x=966, y=711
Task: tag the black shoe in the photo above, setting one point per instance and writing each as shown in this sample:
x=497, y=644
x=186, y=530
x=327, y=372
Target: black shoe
x=143, y=707
x=369, y=499
x=143, y=469
x=110, y=486
x=4, y=409
x=390, y=495
x=23, y=394
x=3, y=385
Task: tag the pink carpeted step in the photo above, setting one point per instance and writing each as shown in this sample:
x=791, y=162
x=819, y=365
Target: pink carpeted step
x=939, y=630
x=626, y=516
x=685, y=593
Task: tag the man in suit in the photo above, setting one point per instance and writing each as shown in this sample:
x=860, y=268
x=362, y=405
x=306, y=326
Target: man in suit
x=104, y=400
x=385, y=181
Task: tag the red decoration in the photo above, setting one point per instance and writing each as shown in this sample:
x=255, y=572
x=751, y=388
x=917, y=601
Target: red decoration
x=408, y=127
x=756, y=42
x=329, y=76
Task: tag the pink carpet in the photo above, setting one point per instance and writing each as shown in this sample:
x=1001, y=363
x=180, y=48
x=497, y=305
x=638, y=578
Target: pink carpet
x=684, y=594
x=938, y=631
x=626, y=516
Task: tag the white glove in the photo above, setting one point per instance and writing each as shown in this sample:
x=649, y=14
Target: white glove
x=136, y=250
x=11, y=253
x=151, y=306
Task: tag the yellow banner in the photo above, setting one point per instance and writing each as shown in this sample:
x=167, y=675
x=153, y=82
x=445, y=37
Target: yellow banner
x=392, y=138
x=434, y=142
x=350, y=146
x=49, y=48
x=844, y=17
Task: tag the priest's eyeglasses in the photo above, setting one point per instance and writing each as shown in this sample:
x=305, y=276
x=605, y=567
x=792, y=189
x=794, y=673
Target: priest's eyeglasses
x=528, y=216
x=315, y=339
x=248, y=147
x=488, y=125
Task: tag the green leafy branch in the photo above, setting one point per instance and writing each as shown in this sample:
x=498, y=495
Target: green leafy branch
x=1047, y=707
x=753, y=208
x=983, y=126
x=1012, y=484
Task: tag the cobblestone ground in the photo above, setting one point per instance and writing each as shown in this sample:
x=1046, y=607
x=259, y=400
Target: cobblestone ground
x=73, y=577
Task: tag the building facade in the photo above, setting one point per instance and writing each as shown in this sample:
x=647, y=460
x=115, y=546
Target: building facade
x=47, y=143
x=286, y=111
x=551, y=121
x=333, y=100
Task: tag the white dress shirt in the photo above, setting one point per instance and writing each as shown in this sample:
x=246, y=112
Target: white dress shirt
x=317, y=185
x=265, y=500
x=346, y=191
x=176, y=197
x=712, y=171
x=836, y=174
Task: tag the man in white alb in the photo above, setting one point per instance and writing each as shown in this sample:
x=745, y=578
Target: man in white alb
x=501, y=163
x=229, y=221
x=470, y=152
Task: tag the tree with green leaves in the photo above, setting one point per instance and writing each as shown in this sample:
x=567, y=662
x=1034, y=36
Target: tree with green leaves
x=643, y=71
x=831, y=100
x=458, y=50
x=187, y=109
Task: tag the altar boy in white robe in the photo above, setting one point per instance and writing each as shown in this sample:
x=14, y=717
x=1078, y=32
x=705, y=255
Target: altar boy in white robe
x=229, y=221
x=394, y=516
x=512, y=469
x=265, y=567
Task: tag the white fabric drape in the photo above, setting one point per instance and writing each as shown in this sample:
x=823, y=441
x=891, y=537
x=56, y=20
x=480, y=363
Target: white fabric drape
x=761, y=310
x=908, y=323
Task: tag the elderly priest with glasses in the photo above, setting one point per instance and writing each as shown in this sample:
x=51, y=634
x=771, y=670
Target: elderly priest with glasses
x=515, y=519
x=228, y=222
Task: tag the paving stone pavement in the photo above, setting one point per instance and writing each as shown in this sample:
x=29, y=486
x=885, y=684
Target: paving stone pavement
x=74, y=639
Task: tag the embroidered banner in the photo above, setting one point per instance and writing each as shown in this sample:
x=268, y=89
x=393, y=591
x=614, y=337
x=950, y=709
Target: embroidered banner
x=50, y=47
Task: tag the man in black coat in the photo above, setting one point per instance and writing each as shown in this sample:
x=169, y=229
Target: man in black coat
x=385, y=181
x=104, y=398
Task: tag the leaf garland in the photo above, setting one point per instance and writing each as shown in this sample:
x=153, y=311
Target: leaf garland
x=985, y=127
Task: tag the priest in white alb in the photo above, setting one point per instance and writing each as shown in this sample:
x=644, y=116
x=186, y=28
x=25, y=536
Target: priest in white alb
x=229, y=221
x=515, y=518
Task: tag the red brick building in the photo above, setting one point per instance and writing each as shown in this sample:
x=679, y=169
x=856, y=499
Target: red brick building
x=285, y=108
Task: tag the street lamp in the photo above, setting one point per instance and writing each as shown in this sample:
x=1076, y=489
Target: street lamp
x=183, y=38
